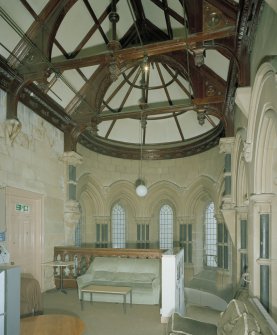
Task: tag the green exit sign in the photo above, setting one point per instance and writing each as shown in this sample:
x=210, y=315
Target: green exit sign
x=22, y=208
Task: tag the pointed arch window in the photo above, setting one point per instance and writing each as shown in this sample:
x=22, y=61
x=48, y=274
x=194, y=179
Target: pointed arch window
x=210, y=247
x=118, y=227
x=166, y=227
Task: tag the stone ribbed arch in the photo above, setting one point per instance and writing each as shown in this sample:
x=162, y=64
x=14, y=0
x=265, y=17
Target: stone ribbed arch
x=261, y=131
x=163, y=192
x=124, y=192
x=199, y=194
x=87, y=214
x=205, y=190
x=263, y=99
x=89, y=190
x=262, y=135
x=264, y=153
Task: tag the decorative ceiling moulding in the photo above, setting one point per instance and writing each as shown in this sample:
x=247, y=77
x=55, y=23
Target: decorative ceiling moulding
x=220, y=25
x=162, y=151
x=33, y=97
x=214, y=18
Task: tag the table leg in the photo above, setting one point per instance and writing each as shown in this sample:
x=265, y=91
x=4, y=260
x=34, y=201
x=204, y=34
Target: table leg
x=81, y=300
x=91, y=297
x=61, y=279
x=131, y=298
x=124, y=303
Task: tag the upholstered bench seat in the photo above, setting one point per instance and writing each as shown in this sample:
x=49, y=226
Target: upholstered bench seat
x=142, y=280
x=235, y=320
x=187, y=326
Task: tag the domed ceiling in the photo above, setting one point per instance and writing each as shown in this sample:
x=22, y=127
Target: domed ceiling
x=129, y=78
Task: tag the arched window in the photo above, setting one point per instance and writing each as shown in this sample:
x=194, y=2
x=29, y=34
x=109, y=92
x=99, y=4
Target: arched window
x=118, y=227
x=210, y=242
x=166, y=227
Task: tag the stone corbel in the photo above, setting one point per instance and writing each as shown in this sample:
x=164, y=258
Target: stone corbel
x=71, y=135
x=199, y=56
x=242, y=99
x=72, y=158
x=226, y=145
x=12, y=129
x=262, y=201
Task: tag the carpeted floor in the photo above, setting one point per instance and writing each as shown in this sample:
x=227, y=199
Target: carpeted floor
x=106, y=318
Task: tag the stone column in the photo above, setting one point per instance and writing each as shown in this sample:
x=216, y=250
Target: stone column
x=226, y=146
x=187, y=240
x=259, y=246
x=72, y=212
x=241, y=261
x=264, y=256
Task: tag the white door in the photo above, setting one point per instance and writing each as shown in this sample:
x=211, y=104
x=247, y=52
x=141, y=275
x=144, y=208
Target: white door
x=24, y=230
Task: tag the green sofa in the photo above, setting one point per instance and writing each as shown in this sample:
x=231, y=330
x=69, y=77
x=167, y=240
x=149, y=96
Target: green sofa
x=142, y=275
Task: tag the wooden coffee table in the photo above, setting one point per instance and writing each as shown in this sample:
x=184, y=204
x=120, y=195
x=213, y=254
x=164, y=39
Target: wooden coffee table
x=119, y=290
x=52, y=324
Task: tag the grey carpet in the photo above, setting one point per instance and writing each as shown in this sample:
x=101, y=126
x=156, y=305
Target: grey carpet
x=106, y=318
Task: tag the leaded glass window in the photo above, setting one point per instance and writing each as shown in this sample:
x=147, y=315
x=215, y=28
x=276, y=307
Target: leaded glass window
x=118, y=227
x=166, y=227
x=210, y=237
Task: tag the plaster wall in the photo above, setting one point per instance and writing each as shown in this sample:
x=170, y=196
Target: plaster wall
x=188, y=184
x=182, y=172
x=32, y=162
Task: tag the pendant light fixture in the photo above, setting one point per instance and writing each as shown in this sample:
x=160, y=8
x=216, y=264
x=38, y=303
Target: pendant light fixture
x=141, y=189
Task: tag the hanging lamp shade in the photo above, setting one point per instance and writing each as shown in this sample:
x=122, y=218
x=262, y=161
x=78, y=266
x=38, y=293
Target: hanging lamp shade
x=141, y=189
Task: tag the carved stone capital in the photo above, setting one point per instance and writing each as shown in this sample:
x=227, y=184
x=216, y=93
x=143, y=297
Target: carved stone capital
x=72, y=211
x=262, y=201
x=247, y=151
x=72, y=158
x=227, y=203
x=143, y=220
x=226, y=145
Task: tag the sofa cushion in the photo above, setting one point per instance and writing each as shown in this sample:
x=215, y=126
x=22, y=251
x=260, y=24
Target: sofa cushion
x=141, y=280
x=228, y=318
x=137, y=265
x=187, y=326
x=246, y=325
x=105, y=264
x=90, y=269
x=143, y=277
x=103, y=275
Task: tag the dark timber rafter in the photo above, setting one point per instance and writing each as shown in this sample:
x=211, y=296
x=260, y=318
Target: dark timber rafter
x=211, y=95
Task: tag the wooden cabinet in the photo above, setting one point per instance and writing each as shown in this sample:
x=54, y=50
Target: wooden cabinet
x=83, y=256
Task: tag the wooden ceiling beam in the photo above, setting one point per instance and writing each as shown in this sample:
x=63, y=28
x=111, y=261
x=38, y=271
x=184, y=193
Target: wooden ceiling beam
x=135, y=53
x=196, y=104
